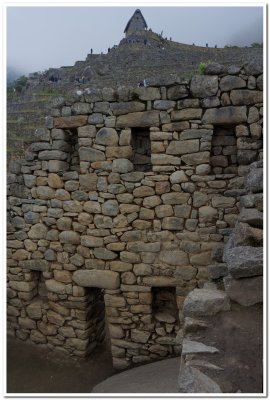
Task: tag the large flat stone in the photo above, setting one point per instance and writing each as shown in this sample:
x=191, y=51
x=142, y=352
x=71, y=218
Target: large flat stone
x=246, y=97
x=183, y=146
x=91, y=155
x=202, y=302
x=35, y=265
x=122, y=108
x=70, y=122
x=97, y=278
x=225, y=115
x=138, y=119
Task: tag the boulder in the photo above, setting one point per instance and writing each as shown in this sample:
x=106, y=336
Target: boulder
x=244, y=261
x=245, y=291
x=202, y=302
x=191, y=380
x=254, y=180
x=246, y=235
x=252, y=217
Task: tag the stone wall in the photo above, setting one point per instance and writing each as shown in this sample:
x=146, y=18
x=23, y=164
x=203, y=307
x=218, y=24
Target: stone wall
x=90, y=230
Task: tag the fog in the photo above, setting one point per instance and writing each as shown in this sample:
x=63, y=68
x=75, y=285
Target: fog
x=43, y=37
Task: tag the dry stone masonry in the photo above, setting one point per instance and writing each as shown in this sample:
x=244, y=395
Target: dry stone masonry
x=119, y=207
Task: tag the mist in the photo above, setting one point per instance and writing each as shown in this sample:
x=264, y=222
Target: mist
x=42, y=37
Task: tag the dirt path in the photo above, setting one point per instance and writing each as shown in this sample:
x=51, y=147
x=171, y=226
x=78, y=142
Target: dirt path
x=31, y=369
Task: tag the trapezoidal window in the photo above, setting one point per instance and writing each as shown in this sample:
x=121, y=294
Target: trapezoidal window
x=223, y=157
x=164, y=305
x=141, y=145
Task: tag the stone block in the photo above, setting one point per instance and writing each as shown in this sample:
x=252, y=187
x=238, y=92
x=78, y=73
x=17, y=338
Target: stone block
x=70, y=122
x=177, y=92
x=69, y=237
x=122, y=165
x=88, y=131
x=172, y=223
x=107, y=137
x=183, y=147
x=22, y=286
x=38, y=231
x=223, y=202
x=91, y=155
x=55, y=286
x=35, y=265
x=225, y=115
x=92, y=207
x=163, y=104
x=175, y=126
x=122, y=108
x=196, y=158
x=182, y=211
x=104, y=254
x=186, y=114
x=246, y=97
x=143, y=191
x=88, y=182
x=203, y=85
x=138, y=119
x=174, y=257
x=148, y=93
x=164, y=159
x=230, y=82
x=175, y=198
x=103, y=279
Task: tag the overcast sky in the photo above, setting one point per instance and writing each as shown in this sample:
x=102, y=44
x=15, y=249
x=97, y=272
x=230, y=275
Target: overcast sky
x=43, y=37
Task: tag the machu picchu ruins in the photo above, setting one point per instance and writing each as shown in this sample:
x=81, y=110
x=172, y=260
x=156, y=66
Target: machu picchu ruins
x=135, y=212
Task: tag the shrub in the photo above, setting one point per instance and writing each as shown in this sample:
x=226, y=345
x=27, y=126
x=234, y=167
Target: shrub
x=202, y=67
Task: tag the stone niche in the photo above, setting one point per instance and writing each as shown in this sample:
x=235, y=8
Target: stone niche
x=120, y=206
x=224, y=150
x=166, y=316
x=141, y=145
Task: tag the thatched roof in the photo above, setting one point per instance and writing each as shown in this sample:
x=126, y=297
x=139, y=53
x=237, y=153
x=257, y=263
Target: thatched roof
x=136, y=13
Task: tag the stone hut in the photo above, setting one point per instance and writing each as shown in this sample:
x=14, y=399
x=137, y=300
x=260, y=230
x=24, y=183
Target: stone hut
x=118, y=208
x=135, y=24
